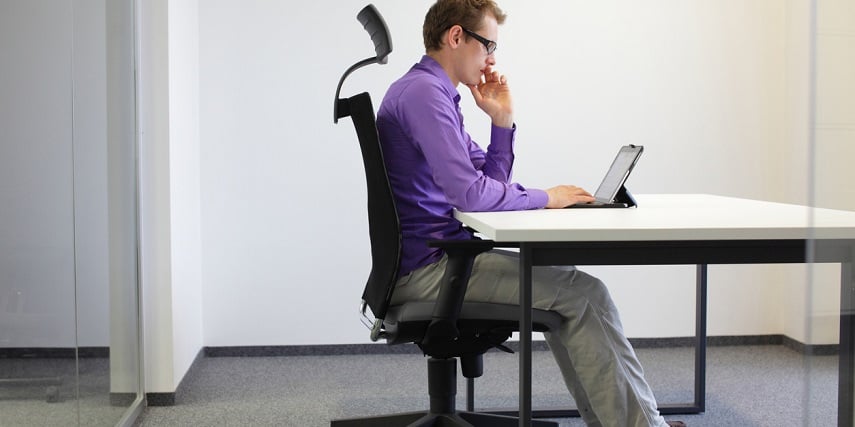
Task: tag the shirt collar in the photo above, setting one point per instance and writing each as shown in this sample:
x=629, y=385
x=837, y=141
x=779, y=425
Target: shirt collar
x=431, y=66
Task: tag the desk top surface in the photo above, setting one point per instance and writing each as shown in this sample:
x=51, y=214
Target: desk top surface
x=666, y=217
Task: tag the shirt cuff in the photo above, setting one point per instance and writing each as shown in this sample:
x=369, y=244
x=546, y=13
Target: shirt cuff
x=502, y=139
x=537, y=198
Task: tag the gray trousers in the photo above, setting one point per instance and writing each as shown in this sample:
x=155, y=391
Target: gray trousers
x=598, y=364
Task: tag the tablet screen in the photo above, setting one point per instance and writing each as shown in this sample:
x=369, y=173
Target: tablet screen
x=618, y=172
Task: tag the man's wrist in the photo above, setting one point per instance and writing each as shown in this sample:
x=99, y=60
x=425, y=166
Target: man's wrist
x=504, y=122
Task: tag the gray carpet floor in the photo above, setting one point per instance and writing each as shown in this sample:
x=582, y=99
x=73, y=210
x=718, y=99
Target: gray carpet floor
x=81, y=398
x=767, y=385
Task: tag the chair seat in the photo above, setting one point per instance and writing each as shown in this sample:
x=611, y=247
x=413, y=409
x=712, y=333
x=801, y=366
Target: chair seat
x=408, y=322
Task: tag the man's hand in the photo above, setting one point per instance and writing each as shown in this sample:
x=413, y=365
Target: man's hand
x=566, y=195
x=494, y=97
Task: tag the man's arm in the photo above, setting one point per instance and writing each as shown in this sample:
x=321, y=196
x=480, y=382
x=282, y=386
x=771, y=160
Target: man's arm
x=493, y=96
x=498, y=161
x=434, y=123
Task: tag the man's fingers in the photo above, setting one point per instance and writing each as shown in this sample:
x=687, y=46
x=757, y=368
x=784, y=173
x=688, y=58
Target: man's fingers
x=475, y=93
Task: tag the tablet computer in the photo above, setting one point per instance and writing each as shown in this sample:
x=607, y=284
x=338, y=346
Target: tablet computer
x=612, y=190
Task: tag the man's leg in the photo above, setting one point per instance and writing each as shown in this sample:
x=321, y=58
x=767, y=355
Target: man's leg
x=597, y=362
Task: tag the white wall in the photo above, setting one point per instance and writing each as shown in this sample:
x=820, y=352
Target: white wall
x=184, y=149
x=706, y=86
x=155, y=250
x=169, y=190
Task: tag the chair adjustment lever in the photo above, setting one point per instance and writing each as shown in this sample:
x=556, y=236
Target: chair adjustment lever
x=377, y=330
x=375, y=325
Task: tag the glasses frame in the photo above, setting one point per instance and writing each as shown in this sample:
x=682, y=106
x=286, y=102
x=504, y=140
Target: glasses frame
x=490, y=45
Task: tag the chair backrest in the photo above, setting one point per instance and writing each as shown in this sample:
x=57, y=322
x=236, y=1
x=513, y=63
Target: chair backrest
x=384, y=228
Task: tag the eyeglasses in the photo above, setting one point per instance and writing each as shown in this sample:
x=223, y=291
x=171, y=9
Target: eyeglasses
x=488, y=44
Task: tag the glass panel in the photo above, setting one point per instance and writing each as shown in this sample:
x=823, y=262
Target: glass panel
x=37, y=290
x=832, y=148
x=69, y=322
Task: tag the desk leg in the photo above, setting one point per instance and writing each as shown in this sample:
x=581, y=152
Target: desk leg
x=525, y=336
x=525, y=411
x=846, y=391
x=700, y=337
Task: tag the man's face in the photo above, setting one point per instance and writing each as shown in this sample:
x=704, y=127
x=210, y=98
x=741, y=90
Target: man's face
x=473, y=57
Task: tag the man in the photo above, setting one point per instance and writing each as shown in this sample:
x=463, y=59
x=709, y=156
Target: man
x=434, y=167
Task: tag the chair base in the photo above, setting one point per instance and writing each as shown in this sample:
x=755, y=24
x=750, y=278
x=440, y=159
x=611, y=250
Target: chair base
x=442, y=388
x=427, y=419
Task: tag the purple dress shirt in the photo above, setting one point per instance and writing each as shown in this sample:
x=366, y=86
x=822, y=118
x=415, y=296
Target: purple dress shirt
x=435, y=166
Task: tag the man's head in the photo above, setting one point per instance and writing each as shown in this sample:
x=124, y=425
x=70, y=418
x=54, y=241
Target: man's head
x=461, y=35
x=468, y=14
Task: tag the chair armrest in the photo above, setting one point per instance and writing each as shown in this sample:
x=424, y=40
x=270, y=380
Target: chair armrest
x=461, y=254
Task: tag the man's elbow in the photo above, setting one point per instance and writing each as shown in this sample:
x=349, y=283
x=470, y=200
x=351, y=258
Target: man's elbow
x=473, y=201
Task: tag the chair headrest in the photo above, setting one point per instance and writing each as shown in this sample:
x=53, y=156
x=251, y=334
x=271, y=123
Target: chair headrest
x=376, y=27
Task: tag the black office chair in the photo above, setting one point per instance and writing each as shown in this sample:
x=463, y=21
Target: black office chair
x=445, y=329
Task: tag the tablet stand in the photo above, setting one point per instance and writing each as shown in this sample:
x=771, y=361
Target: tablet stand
x=623, y=196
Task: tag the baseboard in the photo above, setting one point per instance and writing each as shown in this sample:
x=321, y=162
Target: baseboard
x=810, y=349
x=713, y=341
x=174, y=398
x=160, y=399
x=309, y=350
x=357, y=349
x=54, y=352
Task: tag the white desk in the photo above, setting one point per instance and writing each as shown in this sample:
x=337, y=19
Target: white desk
x=679, y=229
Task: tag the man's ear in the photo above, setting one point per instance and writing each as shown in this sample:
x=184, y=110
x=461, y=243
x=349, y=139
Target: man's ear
x=454, y=36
